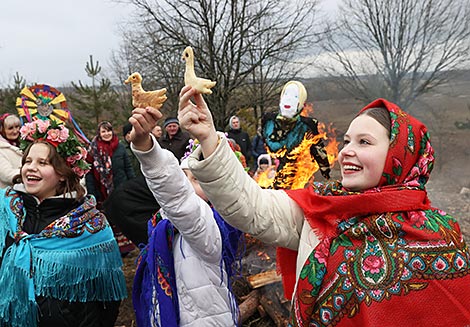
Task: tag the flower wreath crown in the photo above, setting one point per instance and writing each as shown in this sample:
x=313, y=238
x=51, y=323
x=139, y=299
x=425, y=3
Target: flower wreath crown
x=66, y=144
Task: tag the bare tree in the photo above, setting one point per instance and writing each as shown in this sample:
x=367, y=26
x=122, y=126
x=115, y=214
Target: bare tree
x=398, y=49
x=263, y=87
x=237, y=43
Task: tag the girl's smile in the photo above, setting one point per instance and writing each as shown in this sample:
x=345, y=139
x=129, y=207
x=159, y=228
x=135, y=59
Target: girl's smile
x=362, y=158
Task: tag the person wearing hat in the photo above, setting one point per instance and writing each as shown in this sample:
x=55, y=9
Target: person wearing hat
x=265, y=172
x=174, y=139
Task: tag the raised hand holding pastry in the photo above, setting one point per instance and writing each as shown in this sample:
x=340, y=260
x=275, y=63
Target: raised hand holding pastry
x=202, y=85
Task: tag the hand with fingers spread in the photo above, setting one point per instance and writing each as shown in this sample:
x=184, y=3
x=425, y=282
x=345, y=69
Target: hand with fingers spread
x=196, y=118
x=143, y=121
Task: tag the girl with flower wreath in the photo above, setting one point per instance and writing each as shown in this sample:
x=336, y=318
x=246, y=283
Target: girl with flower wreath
x=59, y=262
x=111, y=166
x=368, y=250
x=10, y=153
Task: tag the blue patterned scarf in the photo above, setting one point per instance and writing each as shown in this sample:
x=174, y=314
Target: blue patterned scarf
x=155, y=274
x=75, y=258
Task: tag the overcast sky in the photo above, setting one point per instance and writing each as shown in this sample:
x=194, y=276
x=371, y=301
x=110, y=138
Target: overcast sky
x=49, y=41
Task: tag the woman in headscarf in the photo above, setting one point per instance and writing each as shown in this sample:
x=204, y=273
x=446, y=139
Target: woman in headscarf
x=368, y=250
x=111, y=166
x=10, y=154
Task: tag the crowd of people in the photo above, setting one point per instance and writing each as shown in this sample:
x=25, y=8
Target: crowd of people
x=366, y=250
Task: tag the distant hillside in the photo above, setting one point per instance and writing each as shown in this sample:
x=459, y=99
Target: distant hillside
x=439, y=109
x=326, y=88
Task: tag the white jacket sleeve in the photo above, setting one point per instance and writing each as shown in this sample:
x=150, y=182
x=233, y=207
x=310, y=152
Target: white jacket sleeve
x=191, y=215
x=10, y=165
x=269, y=215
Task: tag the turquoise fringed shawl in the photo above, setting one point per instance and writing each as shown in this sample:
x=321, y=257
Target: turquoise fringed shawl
x=75, y=258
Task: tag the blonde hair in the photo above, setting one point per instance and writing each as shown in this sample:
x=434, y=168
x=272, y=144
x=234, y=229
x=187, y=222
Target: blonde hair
x=9, y=120
x=302, y=93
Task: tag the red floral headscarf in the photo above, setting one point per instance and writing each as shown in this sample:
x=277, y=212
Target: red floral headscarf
x=410, y=157
x=382, y=248
x=401, y=188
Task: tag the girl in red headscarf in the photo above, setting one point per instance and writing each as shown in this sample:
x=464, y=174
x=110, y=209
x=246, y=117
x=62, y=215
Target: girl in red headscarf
x=368, y=250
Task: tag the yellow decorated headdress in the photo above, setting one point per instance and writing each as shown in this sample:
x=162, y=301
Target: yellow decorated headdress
x=45, y=102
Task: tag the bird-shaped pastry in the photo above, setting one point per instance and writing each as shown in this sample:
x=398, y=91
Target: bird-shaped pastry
x=202, y=85
x=142, y=98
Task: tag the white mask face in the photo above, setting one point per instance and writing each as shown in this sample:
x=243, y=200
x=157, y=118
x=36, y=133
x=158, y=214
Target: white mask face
x=289, y=101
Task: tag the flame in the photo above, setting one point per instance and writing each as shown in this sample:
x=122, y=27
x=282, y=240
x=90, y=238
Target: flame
x=265, y=178
x=307, y=110
x=263, y=255
x=300, y=168
x=332, y=143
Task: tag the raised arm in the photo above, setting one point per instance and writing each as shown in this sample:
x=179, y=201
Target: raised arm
x=269, y=215
x=196, y=118
x=188, y=213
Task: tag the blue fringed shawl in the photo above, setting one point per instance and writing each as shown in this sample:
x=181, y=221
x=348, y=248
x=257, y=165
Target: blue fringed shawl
x=75, y=258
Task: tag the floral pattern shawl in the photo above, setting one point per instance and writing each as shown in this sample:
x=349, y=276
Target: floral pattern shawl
x=386, y=257
x=101, y=153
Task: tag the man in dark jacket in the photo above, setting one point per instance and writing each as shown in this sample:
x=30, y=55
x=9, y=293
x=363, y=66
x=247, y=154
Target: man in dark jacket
x=238, y=135
x=258, y=147
x=174, y=139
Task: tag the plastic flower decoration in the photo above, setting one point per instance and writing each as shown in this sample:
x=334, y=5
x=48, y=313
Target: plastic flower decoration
x=194, y=144
x=66, y=143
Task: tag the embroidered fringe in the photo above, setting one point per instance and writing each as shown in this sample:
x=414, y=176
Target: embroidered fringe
x=76, y=275
x=14, y=310
x=80, y=275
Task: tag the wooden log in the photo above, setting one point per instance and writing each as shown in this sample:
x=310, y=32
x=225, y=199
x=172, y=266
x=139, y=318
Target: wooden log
x=261, y=311
x=274, y=310
x=263, y=279
x=249, y=305
x=272, y=301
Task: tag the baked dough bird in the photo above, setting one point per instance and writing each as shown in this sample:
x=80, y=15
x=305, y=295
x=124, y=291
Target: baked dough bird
x=142, y=98
x=202, y=85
